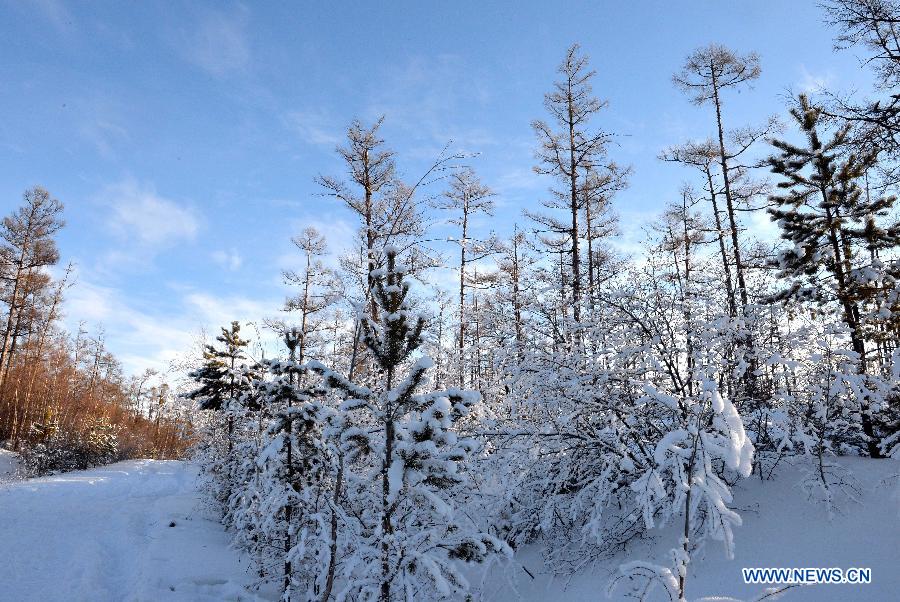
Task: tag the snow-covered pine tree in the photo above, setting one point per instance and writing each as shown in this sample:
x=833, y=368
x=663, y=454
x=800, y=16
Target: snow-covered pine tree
x=290, y=521
x=406, y=536
x=835, y=235
x=223, y=379
x=217, y=378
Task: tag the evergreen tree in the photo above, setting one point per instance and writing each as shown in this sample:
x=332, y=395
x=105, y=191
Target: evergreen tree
x=217, y=378
x=223, y=382
x=289, y=521
x=408, y=460
x=829, y=223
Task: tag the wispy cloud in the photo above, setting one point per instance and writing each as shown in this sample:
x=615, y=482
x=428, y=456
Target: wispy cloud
x=139, y=338
x=148, y=335
x=230, y=259
x=139, y=214
x=218, y=44
x=425, y=96
x=521, y=178
x=314, y=127
x=105, y=136
x=217, y=310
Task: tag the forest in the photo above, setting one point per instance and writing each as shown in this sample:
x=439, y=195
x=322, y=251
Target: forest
x=560, y=392
x=408, y=430
x=65, y=402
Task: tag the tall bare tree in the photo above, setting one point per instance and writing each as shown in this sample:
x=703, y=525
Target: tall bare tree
x=319, y=289
x=703, y=156
x=600, y=221
x=467, y=198
x=706, y=74
x=568, y=150
x=372, y=175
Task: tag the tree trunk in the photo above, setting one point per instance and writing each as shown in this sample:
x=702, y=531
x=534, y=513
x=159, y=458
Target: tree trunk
x=386, y=510
x=729, y=200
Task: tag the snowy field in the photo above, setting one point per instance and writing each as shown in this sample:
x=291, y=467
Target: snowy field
x=781, y=529
x=105, y=534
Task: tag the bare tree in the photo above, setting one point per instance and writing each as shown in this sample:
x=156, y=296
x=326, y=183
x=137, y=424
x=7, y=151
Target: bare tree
x=569, y=150
x=466, y=199
x=703, y=156
x=319, y=289
x=706, y=74
x=27, y=247
x=372, y=174
x=600, y=220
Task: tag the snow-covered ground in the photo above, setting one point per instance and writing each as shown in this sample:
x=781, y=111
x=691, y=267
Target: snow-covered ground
x=781, y=528
x=131, y=531
x=105, y=535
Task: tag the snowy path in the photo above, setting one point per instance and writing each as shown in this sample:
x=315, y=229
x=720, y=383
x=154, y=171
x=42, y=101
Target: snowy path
x=105, y=534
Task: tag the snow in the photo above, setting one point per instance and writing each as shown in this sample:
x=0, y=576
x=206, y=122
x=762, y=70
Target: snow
x=781, y=528
x=105, y=534
x=9, y=465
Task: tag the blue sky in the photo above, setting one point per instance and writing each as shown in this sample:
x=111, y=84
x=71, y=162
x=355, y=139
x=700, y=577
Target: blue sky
x=183, y=138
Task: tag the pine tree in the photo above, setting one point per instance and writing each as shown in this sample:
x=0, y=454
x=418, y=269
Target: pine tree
x=407, y=462
x=217, y=378
x=289, y=521
x=829, y=223
x=223, y=381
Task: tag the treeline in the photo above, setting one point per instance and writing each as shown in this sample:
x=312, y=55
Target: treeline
x=64, y=400
x=563, y=393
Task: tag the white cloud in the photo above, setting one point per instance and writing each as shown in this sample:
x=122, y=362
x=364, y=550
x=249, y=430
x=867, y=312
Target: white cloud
x=139, y=339
x=229, y=259
x=215, y=311
x=141, y=335
x=763, y=228
x=139, y=214
x=219, y=43
x=519, y=179
x=424, y=96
